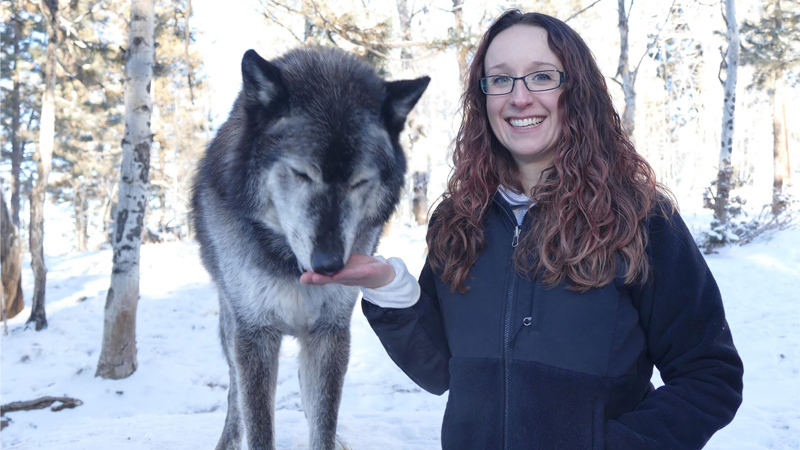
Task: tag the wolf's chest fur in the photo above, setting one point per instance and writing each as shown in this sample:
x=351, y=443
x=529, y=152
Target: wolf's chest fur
x=262, y=298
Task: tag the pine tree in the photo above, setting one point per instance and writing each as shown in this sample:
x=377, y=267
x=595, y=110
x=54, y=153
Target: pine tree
x=772, y=45
x=22, y=45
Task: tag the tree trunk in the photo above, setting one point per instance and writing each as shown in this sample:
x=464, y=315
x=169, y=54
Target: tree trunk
x=731, y=64
x=11, y=257
x=418, y=156
x=405, y=32
x=118, y=354
x=788, y=171
x=16, y=148
x=81, y=218
x=462, y=49
x=780, y=151
x=187, y=41
x=624, y=71
x=420, y=202
x=44, y=156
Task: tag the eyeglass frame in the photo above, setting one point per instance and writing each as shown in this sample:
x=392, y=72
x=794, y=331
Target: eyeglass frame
x=561, y=80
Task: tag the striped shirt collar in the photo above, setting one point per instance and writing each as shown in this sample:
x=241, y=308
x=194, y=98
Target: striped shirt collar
x=513, y=199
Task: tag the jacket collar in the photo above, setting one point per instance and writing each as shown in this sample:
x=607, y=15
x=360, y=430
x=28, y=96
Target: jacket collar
x=512, y=203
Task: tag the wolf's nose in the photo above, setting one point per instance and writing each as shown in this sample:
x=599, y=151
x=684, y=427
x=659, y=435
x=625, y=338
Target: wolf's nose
x=326, y=263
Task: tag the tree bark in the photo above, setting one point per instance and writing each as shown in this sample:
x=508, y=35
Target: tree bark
x=462, y=49
x=418, y=156
x=624, y=71
x=118, y=354
x=11, y=257
x=81, y=217
x=780, y=151
x=44, y=156
x=731, y=64
x=405, y=32
x=187, y=41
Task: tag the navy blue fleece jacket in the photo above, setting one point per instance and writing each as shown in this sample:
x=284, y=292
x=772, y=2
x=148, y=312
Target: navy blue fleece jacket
x=547, y=368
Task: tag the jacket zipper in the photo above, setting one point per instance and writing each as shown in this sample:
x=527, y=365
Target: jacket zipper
x=507, y=328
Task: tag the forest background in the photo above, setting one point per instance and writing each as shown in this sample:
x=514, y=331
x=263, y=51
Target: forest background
x=666, y=85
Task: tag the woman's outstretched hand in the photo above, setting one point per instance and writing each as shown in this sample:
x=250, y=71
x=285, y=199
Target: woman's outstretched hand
x=360, y=270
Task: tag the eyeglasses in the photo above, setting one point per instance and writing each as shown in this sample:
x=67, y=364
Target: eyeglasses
x=543, y=80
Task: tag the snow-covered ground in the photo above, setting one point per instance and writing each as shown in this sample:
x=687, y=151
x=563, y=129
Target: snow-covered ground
x=177, y=397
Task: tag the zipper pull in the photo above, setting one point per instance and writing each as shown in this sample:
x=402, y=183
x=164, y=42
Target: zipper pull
x=515, y=242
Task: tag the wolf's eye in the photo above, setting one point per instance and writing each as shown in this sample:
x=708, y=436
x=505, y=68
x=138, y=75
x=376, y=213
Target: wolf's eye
x=302, y=176
x=359, y=184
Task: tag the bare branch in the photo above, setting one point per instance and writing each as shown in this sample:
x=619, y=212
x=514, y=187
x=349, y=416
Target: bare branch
x=271, y=18
x=652, y=44
x=582, y=11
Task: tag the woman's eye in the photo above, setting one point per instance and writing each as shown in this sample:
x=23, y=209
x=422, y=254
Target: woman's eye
x=302, y=176
x=542, y=76
x=501, y=80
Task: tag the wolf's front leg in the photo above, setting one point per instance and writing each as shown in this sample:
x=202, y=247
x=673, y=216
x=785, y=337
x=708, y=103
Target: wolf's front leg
x=257, y=369
x=231, y=438
x=323, y=362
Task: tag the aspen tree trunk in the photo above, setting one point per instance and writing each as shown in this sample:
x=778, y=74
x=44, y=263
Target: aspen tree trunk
x=44, y=156
x=81, y=219
x=187, y=40
x=462, y=49
x=780, y=150
x=731, y=64
x=624, y=71
x=788, y=164
x=419, y=176
x=118, y=354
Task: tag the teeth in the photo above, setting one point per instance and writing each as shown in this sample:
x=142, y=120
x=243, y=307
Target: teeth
x=530, y=121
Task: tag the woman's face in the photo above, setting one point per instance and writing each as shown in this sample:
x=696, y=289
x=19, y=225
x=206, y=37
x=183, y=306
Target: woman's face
x=527, y=123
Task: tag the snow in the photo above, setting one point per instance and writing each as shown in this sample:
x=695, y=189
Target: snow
x=177, y=398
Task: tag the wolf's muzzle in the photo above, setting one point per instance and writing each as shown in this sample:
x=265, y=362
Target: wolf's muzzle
x=326, y=263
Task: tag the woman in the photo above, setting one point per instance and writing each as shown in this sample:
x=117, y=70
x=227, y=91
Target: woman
x=558, y=274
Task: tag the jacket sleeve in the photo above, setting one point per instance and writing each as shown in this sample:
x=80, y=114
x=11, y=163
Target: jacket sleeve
x=414, y=337
x=689, y=341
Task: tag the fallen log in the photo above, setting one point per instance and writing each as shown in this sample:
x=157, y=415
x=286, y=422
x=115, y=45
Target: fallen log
x=40, y=403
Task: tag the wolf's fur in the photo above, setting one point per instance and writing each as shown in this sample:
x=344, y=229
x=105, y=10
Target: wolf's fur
x=305, y=172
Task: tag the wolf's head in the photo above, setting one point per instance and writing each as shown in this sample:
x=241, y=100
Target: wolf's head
x=317, y=157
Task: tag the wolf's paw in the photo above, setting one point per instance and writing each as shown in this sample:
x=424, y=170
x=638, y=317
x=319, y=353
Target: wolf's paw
x=341, y=444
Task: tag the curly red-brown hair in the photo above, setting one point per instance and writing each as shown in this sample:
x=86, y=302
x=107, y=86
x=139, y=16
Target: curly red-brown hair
x=591, y=204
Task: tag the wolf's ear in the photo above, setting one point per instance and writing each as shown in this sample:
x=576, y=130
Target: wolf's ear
x=261, y=80
x=401, y=96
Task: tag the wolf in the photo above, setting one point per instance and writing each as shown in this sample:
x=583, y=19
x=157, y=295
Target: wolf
x=306, y=171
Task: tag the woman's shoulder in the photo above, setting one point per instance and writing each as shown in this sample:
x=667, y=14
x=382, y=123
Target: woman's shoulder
x=664, y=211
x=665, y=225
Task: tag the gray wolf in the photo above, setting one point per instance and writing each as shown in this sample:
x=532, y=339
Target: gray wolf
x=305, y=172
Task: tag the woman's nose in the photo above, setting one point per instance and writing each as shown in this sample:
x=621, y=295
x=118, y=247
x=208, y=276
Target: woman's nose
x=520, y=95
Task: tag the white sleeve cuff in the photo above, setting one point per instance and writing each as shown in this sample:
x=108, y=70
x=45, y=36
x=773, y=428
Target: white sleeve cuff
x=402, y=292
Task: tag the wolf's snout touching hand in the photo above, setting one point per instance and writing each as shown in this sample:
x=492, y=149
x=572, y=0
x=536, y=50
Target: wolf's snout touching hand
x=326, y=263
x=360, y=270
